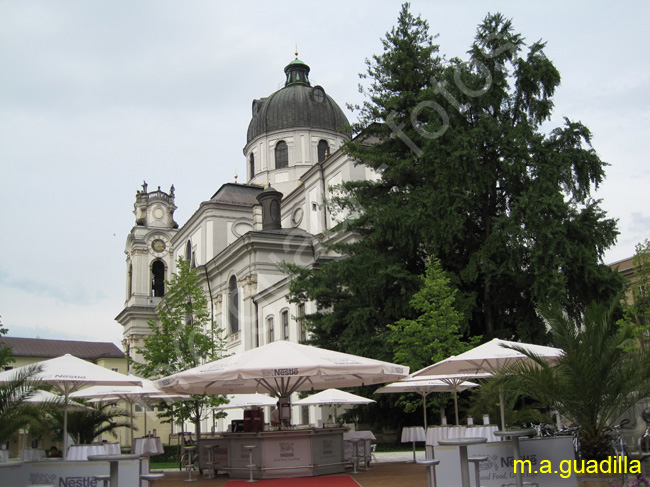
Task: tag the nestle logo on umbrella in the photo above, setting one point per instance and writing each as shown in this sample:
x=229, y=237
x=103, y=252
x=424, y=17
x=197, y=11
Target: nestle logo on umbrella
x=65, y=376
x=267, y=372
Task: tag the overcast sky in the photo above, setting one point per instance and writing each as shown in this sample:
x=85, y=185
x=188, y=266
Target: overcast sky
x=97, y=96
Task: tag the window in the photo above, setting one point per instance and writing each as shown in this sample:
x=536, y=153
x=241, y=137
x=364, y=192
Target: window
x=285, y=324
x=158, y=278
x=281, y=155
x=301, y=322
x=269, y=327
x=251, y=166
x=233, y=305
x=304, y=414
x=323, y=150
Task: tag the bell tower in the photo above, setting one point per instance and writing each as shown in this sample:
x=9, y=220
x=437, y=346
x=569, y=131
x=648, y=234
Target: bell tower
x=149, y=255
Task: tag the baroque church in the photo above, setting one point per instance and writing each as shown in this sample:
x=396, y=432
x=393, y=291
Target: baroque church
x=239, y=236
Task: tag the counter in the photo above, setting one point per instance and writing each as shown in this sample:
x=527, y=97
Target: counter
x=304, y=452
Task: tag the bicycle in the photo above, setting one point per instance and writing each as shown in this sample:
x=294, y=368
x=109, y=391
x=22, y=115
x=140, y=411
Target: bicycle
x=619, y=448
x=188, y=457
x=575, y=434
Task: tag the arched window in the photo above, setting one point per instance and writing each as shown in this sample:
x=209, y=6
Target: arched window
x=269, y=328
x=158, y=278
x=251, y=166
x=189, y=255
x=233, y=305
x=285, y=324
x=281, y=155
x=323, y=150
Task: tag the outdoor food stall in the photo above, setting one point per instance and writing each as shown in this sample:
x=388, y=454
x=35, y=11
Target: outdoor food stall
x=280, y=369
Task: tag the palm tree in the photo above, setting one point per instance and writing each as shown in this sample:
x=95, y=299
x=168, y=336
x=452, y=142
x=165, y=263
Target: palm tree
x=15, y=413
x=85, y=426
x=600, y=376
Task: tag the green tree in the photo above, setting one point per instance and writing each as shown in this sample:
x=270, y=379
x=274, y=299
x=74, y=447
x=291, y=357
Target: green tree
x=596, y=380
x=469, y=173
x=184, y=336
x=436, y=333
x=638, y=310
x=6, y=355
x=85, y=426
x=15, y=413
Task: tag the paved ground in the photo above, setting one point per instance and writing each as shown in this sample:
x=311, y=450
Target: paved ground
x=388, y=470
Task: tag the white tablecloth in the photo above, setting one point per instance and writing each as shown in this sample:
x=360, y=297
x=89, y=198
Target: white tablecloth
x=435, y=433
x=4, y=455
x=148, y=446
x=413, y=433
x=364, y=445
x=81, y=452
x=33, y=454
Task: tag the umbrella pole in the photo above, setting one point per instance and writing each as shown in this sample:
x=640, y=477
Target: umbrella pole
x=424, y=407
x=131, y=411
x=456, y=407
x=65, y=422
x=503, y=409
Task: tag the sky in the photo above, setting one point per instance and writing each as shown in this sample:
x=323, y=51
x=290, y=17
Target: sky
x=96, y=97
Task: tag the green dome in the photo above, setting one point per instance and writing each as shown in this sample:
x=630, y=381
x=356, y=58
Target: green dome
x=297, y=105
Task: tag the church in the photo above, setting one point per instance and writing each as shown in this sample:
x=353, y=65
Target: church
x=238, y=238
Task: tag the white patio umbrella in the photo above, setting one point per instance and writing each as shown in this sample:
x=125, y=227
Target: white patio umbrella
x=46, y=397
x=145, y=393
x=483, y=362
x=333, y=397
x=247, y=401
x=424, y=388
x=282, y=368
x=68, y=374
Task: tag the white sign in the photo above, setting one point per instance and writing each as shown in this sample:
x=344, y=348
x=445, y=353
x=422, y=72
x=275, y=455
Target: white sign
x=542, y=454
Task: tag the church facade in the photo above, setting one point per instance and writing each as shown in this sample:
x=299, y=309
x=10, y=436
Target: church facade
x=238, y=238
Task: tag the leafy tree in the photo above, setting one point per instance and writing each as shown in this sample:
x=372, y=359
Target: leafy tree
x=638, y=310
x=435, y=334
x=6, y=355
x=85, y=426
x=184, y=336
x=469, y=173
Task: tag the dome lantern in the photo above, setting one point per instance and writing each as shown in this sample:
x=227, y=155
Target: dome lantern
x=297, y=73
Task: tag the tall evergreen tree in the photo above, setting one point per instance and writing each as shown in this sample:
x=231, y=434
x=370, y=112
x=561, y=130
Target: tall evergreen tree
x=470, y=174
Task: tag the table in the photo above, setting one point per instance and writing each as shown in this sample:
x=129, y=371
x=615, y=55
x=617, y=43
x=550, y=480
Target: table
x=436, y=433
x=114, y=461
x=4, y=456
x=462, y=444
x=82, y=452
x=33, y=454
x=515, y=435
x=148, y=446
x=413, y=434
x=350, y=442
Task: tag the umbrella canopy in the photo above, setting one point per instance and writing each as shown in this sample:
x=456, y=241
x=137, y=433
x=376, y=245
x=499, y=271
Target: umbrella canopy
x=424, y=388
x=248, y=401
x=333, y=397
x=282, y=368
x=45, y=397
x=68, y=374
x=145, y=393
x=484, y=361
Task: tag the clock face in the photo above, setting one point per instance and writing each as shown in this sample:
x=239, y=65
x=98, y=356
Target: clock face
x=158, y=245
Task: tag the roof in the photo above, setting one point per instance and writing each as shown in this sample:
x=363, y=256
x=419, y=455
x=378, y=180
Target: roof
x=297, y=105
x=237, y=194
x=38, y=347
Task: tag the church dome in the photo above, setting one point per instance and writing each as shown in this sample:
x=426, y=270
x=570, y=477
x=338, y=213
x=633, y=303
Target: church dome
x=296, y=105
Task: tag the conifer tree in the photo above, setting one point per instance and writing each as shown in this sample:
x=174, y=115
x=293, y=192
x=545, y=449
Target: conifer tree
x=469, y=173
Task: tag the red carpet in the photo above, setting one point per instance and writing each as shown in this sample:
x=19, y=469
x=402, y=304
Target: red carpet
x=328, y=481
